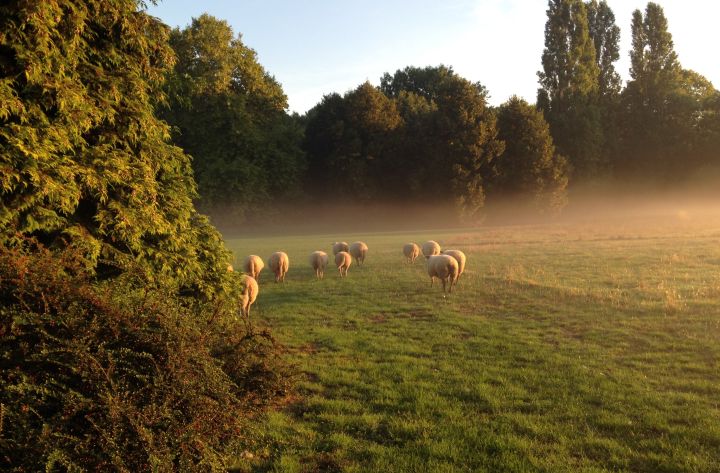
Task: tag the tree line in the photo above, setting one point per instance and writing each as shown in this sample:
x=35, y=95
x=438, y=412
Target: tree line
x=663, y=125
x=428, y=134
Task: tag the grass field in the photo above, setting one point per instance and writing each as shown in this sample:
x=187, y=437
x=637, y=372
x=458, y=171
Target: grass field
x=564, y=348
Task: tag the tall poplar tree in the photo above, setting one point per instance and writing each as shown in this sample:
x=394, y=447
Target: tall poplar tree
x=570, y=85
x=650, y=98
x=605, y=35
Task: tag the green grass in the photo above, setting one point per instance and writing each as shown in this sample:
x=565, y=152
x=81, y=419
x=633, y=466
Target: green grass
x=564, y=348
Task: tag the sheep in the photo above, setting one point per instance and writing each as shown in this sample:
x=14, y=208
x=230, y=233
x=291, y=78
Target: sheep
x=252, y=266
x=339, y=246
x=443, y=267
x=430, y=248
x=411, y=251
x=460, y=257
x=318, y=261
x=248, y=295
x=343, y=260
x=279, y=264
x=359, y=250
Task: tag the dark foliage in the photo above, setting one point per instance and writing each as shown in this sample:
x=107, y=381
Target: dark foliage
x=570, y=86
x=424, y=135
x=122, y=375
x=350, y=145
x=667, y=111
x=120, y=349
x=529, y=171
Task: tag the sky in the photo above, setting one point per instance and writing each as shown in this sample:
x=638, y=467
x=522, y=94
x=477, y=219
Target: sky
x=317, y=47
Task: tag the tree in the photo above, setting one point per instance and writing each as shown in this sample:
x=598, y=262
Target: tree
x=570, y=85
x=85, y=160
x=569, y=66
x=651, y=107
x=605, y=35
x=693, y=124
x=708, y=143
x=427, y=82
x=655, y=69
x=324, y=131
x=418, y=146
x=119, y=345
x=373, y=119
x=529, y=170
x=348, y=141
x=230, y=116
x=459, y=130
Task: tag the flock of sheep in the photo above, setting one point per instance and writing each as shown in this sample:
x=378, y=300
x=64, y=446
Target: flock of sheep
x=446, y=265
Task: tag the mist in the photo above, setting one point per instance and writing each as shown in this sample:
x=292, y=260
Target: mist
x=692, y=202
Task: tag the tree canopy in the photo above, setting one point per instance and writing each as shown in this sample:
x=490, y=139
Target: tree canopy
x=120, y=346
x=570, y=85
x=605, y=35
x=349, y=143
x=529, y=169
x=229, y=115
x=664, y=105
x=85, y=160
x=421, y=127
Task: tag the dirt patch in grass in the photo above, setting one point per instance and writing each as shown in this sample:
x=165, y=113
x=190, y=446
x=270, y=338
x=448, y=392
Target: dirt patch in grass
x=413, y=314
x=421, y=315
x=308, y=348
x=323, y=463
x=312, y=377
x=464, y=335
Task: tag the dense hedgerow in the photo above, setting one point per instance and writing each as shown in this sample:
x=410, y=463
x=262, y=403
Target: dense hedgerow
x=120, y=347
x=121, y=375
x=85, y=160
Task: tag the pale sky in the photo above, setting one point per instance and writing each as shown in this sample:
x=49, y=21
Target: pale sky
x=316, y=47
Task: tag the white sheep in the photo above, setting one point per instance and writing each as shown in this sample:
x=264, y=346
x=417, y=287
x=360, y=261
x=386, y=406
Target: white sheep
x=252, y=266
x=443, y=267
x=339, y=246
x=359, y=251
x=459, y=257
x=343, y=260
x=248, y=295
x=430, y=248
x=279, y=264
x=318, y=261
x=411, y=251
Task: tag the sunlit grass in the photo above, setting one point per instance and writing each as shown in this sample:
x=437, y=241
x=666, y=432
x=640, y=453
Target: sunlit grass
x=564, y=348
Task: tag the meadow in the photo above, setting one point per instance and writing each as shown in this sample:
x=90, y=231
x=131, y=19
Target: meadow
x=565, y=347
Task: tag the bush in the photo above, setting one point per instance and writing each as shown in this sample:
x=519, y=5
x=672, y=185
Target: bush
x=122, y=375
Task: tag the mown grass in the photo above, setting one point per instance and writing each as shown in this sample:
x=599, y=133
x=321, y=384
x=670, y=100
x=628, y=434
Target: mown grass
x=564, y=348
